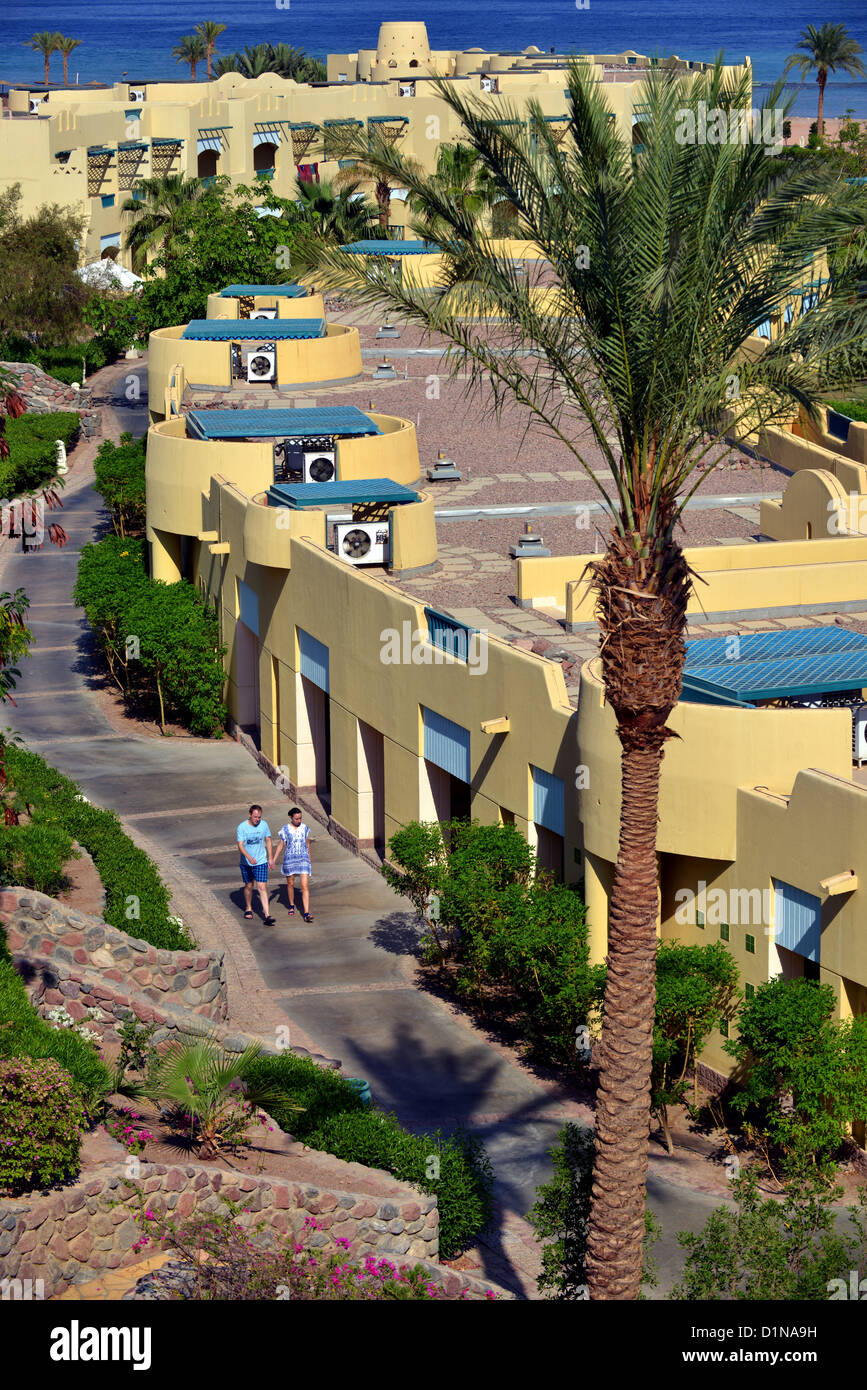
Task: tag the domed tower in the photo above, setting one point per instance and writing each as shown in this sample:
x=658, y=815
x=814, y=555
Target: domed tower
x=402, y=49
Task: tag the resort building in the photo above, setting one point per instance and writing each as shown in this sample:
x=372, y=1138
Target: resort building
x=88, y=147
x=397, y=650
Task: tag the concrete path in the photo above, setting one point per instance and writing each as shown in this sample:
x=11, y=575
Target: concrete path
x=344, y=982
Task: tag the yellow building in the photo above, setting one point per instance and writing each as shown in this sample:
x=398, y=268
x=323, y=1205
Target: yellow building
x=387, y=709
x=88, y=148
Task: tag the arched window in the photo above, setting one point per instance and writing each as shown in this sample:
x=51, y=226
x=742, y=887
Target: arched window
x=264, y=157
x=207, y=165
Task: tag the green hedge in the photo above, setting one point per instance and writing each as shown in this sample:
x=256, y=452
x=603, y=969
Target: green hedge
x=32, y=461
x=463, y=1188
x=24, y=1034
x=856, y=410
x=161, y=641
x=131, y=880
x=64, y=362
x=120, y=478
x=321, y=1091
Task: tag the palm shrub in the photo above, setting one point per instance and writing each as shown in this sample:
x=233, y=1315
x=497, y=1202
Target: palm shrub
x=210, y=1090
x=157, y=219
x=667, y=259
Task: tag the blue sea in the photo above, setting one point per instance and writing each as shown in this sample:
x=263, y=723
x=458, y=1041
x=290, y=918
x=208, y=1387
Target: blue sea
x=123, y=39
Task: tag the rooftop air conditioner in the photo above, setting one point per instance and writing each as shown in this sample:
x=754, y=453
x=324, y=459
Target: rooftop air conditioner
x=35, y=103
x=263, y=314
x=136, y=93
x=262, y=364
x=406, y=89
x=320, y=465
x=363, y=543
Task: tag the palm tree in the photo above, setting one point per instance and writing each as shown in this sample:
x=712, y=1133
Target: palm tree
x=335, y=214
x=283, y=59
x=46, y=43
x=666, y=260
x=209, y=32
x=828, y=49
x=65, y=47
x=157, y=219
x=190, y=49
x=462, y=177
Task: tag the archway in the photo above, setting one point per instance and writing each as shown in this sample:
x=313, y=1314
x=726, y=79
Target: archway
x=207, y=165
x=264, y=158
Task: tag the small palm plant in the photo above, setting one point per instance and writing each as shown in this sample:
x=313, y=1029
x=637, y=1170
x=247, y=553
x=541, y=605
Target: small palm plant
x=207, y=1086
x=156, y=219
x=827, y=49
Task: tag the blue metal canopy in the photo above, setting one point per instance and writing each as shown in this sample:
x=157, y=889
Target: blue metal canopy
x=350, y=493
x=391, y=248
x=225, y=330
x=804, y=663
x=292, y=291
x=333, y=422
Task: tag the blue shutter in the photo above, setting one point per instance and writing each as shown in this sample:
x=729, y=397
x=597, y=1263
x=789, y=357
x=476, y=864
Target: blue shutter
x=797, y=920
x=113, y=239
x=446, y=744
x=314, y=660
x=549, y=801
x=248, y=604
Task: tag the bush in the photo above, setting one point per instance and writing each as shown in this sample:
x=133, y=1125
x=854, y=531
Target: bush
x=23, y=1033
x=32, y=462
x=320, y=1092
x=34, y=855
x=131, y=880
x=120, y=477
x=464, y=1184
x=171, y=634
x=856, y=410
x=41, y=1120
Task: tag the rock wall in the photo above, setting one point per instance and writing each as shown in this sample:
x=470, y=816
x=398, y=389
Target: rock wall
x=45, y=395
x=71, y=1235
x=66, y=957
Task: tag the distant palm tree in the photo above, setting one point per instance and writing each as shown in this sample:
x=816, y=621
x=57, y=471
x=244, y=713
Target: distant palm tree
x=828, y=49
x=157, y=219
x=209, y=33
x=285, y=60
x=190, y=49
x=463, y=179
x=66, y=46
x=46, y=43
x=335, y=214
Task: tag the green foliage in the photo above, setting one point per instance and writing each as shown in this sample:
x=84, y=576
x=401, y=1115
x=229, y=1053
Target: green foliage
x=24, y=1034
x=161, y=641
x=476, y=888
x=41, y=295
x=211, y=1090
x=41, y=1121
x=695, y=990
x=856, y=410
x=319, y=1092
x=787, y=1251
x=15, y=639
x=32, y=461
x=803, y=1075
x=560, y=1218
x=136, y=899
x=120, y=478
x=67, y=361
x=34, y=855
x=281, y=58
x=464, y=1183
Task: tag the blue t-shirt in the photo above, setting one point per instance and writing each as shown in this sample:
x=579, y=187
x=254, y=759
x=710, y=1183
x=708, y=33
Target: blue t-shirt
x=253, y=838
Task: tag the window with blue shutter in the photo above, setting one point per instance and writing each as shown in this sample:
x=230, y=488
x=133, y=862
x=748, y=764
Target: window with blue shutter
x=549, y=800
x=797, y=920
x=314, y=662
x=248, y=606
x=446, y=744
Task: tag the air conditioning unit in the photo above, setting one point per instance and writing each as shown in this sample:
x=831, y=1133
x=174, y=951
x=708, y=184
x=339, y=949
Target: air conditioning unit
x=320, y=465
x=35, y=103
x=859, y=734
x=263, y=314
x=363, y=542
x=262, y=364
x=136, y=93
x=406, y=89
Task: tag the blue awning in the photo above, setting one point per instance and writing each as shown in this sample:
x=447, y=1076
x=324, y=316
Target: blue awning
x=391, y=248
x=293, y=291
x=333, y=422
x=227, y=330
x=350, y=493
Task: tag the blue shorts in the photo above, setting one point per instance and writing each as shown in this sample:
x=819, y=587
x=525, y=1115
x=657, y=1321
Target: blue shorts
x=253, y=873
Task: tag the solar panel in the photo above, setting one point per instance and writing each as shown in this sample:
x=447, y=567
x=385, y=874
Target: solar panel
x=225, y=330
x=771, y=646
x=279, y=291
x=284, y=424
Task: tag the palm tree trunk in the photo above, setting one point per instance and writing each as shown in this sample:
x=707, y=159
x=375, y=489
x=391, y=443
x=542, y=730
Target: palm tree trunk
x=47, y=67
x=820, y=122
x=208, y=61
x=65, y=69
x=643, y=587
x=193, y=62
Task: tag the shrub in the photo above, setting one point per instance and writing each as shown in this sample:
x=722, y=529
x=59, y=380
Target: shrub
x=136, y=899
x=41, y=1121
x=24, y=1034
x=120, y=477
x=32, y=462
x=464, y=1182
x=33, y=856
x=773, y=1251
x=319, y=1091
x=856, y=410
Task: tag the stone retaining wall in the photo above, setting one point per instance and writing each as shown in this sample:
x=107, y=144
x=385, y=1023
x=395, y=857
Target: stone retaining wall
x=45, y=395
x=66, y=957
x=70, y=1236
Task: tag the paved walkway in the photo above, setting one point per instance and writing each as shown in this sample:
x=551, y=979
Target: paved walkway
x=344, y=982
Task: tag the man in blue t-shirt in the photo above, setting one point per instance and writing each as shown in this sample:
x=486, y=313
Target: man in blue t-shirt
x=254, y=842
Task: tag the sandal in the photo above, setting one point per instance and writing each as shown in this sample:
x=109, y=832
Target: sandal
x=249, y=916
x=292, y=910
x=308, y=916
x=270, y=921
